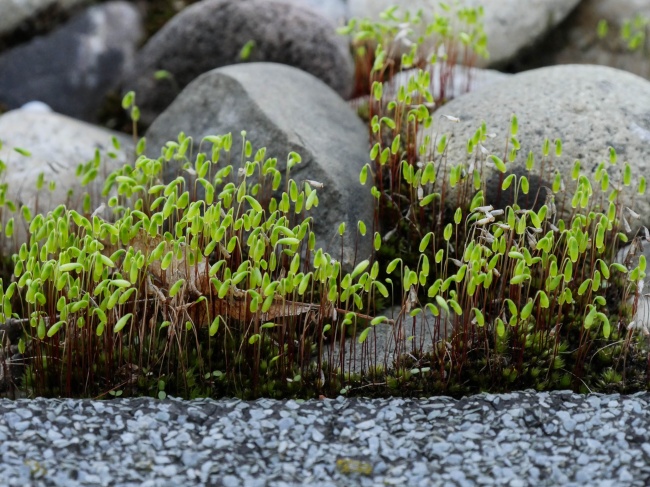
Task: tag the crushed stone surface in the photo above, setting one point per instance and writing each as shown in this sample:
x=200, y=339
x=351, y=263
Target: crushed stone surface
x=518, y=439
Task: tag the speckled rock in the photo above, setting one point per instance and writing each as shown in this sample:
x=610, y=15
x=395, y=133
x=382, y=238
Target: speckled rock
x=589, y=107
x=283, y=109
x=212, y=33
x=510, y=25
x=73, y=68
x=335, y=10
x=461, y=80
x=13, y=13
x=57, y=144
x=388, y=342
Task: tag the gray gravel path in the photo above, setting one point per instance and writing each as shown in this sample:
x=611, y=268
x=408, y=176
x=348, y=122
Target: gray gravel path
x=517, y=439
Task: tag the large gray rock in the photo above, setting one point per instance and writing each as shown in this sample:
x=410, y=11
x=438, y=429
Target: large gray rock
x=335, y=10
x=577, y=40
x=460, y=80
x=283, y=109
x=588, y=107
x=212, y=33
x=13, y=13
x=58, y=144
x=391, y=341
x=74, y=67
x=510, y=25
x=629, y=256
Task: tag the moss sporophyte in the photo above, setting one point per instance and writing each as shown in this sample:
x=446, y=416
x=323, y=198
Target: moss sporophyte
x=213, y=283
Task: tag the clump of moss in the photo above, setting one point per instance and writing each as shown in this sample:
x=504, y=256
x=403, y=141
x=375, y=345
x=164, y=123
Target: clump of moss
x=225, y=292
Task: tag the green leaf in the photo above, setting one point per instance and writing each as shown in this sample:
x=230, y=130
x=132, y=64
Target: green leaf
x=377, y=90
x=121, y=283
x=395, y=145
x=612, y=155
x=449, y=229
x=514, y=125
x=519, y=279
x=100, y=328
x=214, y=327
x=246, y=50
x=55, y=328
x=500, y=165
x=360, y=267
x=393, y=264
x=224, y=288
x=73, y=266
x=167, y=260
x=382, y=289
x=442, y=144
x=176, y=287
x=527, y=310
x=141, y=147
x=512, y=307
x=530, y=161
x=428, y=199
x=568, y=271
x=425, y=241
x=362, y=227
x=480, y=319
x=125, y=297
x=627, y=174
x=458, y=216
x=364, y=334
x=363, y=175
x=602, y=29
x=454, y=304
x=543, y=300
x=22, y=152
x=507, y=182
x=442, y=303
x=524, y=184
x=575, y=172
x=287, y=241
x=573, y=249
x=121, y=323
x=501, y=329
x=254, y=203
x=128, y=99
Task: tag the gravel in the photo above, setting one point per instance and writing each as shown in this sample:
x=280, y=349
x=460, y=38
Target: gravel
x=518, y=439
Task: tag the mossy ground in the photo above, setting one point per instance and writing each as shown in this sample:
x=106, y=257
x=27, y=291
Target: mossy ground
x=182, y=356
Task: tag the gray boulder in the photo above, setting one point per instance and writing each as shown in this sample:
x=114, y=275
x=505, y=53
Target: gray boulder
x=57, y=144
x=13, y=13
x=510, y=25
x=462, y=79
x=335, y=10
x=629, y=256
x=211, y=34
x=589, y=107
x=577, y=40
x=283, y=109
x=73, y=68
x=388, y=342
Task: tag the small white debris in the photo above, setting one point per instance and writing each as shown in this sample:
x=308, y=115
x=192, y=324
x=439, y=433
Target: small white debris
x=451, y=118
